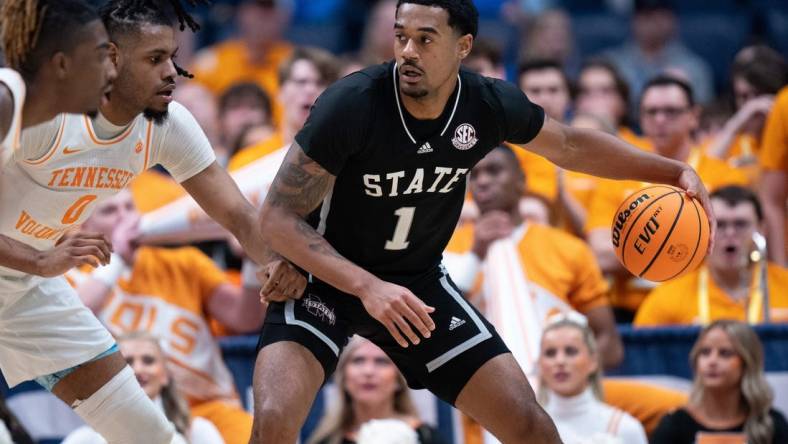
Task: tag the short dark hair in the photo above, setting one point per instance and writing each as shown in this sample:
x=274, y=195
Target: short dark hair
x=668, y=80
x=762, y=67
x=735, y=194
x=127, y=16
x=246, y=92
x=540, y=64
x=463, y=15
x=325, y=63
x=35, y=30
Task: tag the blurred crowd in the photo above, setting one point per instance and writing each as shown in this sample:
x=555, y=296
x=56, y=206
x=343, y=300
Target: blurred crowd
x=700, y=82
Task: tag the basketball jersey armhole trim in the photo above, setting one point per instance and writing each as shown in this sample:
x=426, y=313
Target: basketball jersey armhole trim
x=147, y=145
x=95, y=139
x=55, y=145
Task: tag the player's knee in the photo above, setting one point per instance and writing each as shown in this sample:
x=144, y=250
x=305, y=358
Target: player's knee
x=532, y=421
x=122, y=413
x=272, y=424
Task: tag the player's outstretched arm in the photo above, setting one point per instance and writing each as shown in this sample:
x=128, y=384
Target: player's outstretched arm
x=600, y=154
x=218, y=195
x=299, y=187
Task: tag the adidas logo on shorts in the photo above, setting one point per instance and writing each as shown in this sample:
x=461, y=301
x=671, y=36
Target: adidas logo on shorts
x=455, y=322
x=426, y=148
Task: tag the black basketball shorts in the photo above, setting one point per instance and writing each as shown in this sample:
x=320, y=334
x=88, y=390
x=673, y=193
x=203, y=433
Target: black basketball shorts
x=324, y=318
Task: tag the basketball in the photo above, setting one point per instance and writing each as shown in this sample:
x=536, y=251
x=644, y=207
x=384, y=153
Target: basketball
x=660, y=233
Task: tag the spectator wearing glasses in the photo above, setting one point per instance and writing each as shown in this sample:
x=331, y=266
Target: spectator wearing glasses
x=668, y=116
x=731, y=284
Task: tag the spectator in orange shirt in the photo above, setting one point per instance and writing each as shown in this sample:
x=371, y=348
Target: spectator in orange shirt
x=758, y=73
x=774, y=176
x=302, y=78
x=254, y=56
x=730, y=285
x=242, y=106
x=171, y=293
x=668, y=116
x=562, y=276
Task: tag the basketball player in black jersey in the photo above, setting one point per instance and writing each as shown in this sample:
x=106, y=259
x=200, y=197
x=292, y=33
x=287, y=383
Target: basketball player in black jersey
x=367, y=199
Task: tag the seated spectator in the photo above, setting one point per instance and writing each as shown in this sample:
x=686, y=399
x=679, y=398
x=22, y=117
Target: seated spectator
x=603, y=92
x=570, y=387
x=656, y=49
x=254, y=56
x=499, y=248
x=242, y=106
x=486, y=59
x=173, y=294
x=302, y=78
x=668, y=116
x=774, y=177
x=730, y=395
x=370, y=387
x=757, y=74
x=731, y=284
x=549, y=36
x=145, y=356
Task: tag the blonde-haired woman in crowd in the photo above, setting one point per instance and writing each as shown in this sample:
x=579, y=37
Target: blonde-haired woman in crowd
x=570, y=388
x=729, y=395
x=370, y=388
x=145, y=356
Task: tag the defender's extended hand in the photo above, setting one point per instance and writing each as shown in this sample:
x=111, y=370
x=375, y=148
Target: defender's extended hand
x=78, y=249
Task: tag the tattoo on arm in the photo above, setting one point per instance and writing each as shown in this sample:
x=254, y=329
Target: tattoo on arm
x=300, y=186
x=301, y=183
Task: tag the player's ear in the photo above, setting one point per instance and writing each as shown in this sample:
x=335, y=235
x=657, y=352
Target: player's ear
x=60, y=65
x=464, y=46
x=114, y=53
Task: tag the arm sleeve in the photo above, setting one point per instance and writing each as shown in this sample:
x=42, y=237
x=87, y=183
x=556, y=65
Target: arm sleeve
x=180, y=145
x=338, y=123
x=522, y=120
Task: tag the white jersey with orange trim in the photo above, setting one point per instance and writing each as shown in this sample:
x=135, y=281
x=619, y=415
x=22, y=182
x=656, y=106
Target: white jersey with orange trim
x=254, y=180
x=63, y=170
x=16, y=85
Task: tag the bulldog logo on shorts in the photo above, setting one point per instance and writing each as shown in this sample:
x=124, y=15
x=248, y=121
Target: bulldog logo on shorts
x=318, y=309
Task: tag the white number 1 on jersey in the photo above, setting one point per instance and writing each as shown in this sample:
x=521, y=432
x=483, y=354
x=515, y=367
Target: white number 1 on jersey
x=401, y=231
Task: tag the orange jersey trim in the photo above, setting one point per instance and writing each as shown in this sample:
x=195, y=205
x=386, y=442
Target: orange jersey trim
x=54, y=148
x=98, y=141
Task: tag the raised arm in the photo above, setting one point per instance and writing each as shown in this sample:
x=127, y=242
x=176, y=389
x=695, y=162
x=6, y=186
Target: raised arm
x=298, y=189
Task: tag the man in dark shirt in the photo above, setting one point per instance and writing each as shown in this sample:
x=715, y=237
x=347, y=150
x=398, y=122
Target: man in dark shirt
x=367, y=199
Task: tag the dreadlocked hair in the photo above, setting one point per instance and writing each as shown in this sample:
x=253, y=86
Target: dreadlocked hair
x=34, y=30
x=126, y=16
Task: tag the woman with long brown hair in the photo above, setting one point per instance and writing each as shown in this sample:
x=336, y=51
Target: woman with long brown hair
x=370, y=387
x=729, y=395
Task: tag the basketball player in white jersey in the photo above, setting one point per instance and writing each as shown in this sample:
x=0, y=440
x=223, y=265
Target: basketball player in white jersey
x=60, y=171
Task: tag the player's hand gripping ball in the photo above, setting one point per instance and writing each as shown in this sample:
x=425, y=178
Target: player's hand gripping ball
x=660, y=233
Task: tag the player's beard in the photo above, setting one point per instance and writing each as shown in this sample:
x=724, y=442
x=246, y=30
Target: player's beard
x=416, y=93
x=92, y=114
x=158, y=117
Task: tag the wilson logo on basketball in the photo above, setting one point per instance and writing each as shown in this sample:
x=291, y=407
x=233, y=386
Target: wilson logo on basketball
x=651, y=227
x=464, y=137
x=622, y=217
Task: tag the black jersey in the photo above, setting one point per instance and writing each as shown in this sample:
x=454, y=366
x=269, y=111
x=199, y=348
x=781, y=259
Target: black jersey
x=400, y=182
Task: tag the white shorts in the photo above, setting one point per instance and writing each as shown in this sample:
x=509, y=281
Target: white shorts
x=46, y=329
